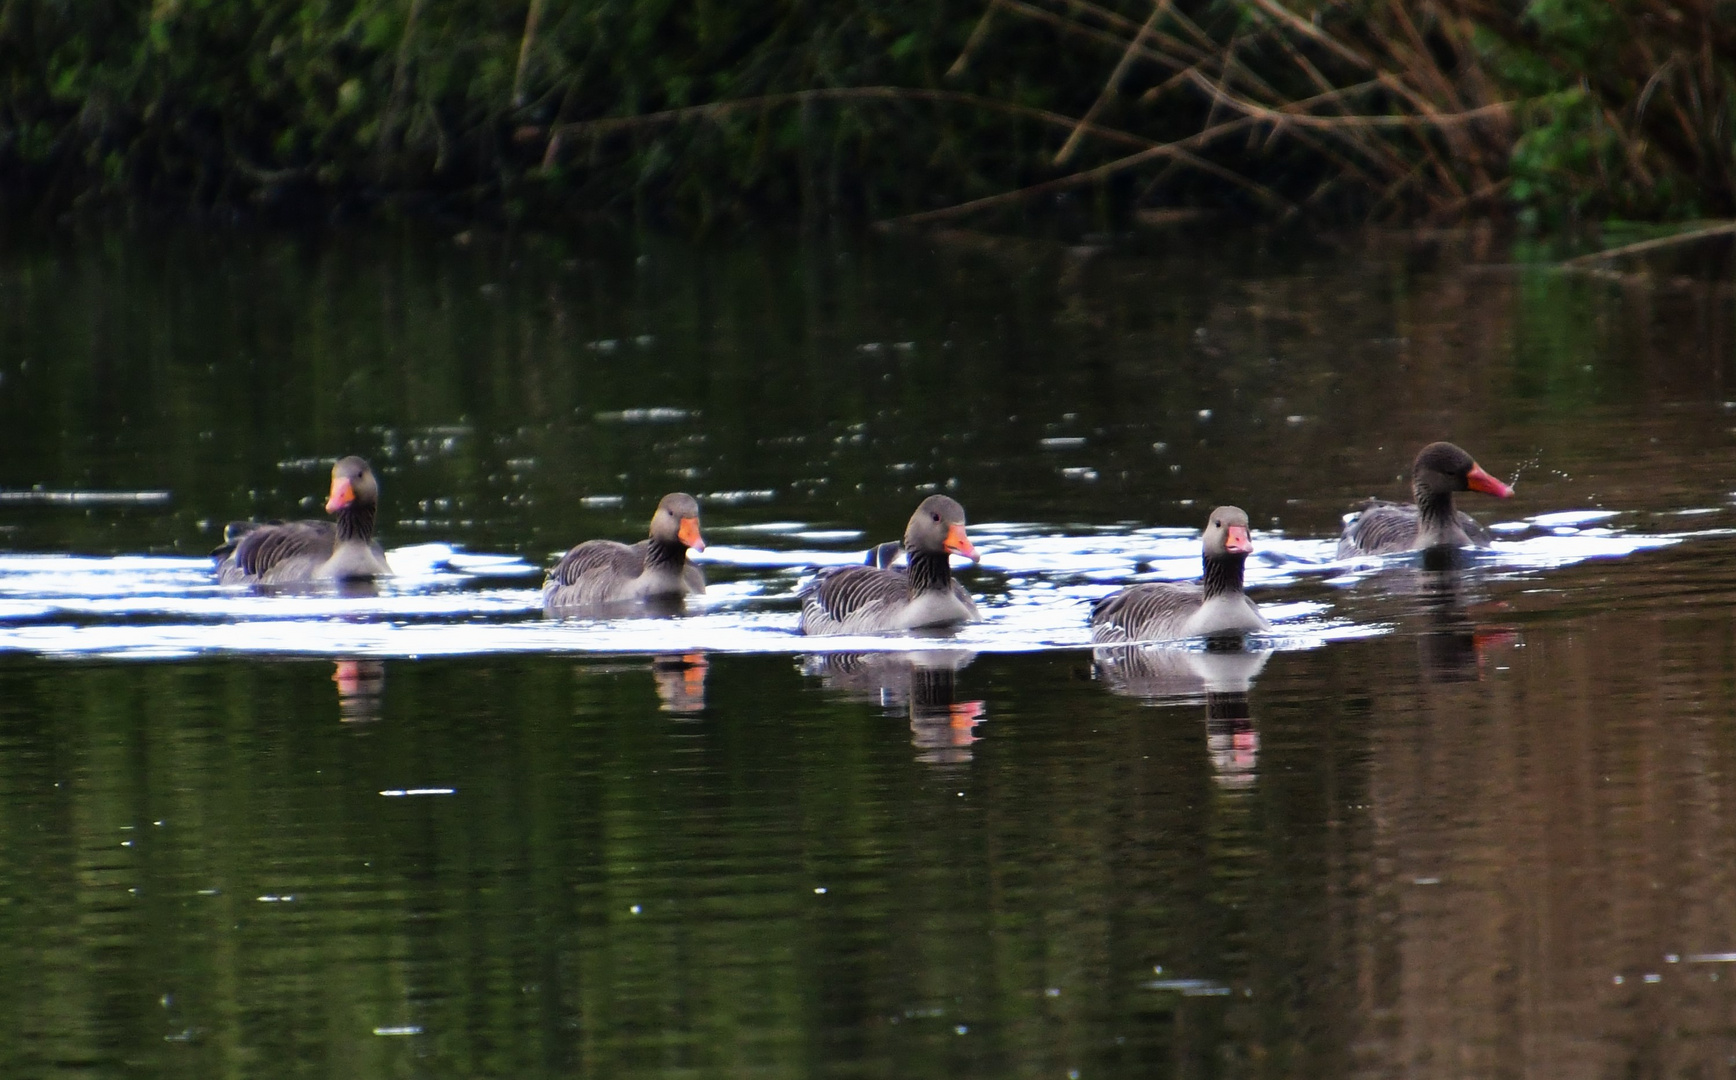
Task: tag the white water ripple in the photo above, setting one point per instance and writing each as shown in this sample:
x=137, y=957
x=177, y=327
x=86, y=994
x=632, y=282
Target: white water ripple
x=1035, y=585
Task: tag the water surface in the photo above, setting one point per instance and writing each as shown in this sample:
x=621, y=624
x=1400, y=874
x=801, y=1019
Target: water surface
x=1436, y=824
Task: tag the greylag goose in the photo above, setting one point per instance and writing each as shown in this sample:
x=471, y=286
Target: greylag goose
x=1440, y=469
x=602, y=572
x=875, y=600
x=294, y=552
x=1217, y=607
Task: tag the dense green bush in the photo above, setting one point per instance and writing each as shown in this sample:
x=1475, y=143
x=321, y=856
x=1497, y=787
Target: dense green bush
x=865, y=109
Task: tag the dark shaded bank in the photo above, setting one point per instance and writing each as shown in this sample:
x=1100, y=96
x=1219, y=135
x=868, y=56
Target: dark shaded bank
x=693, y=112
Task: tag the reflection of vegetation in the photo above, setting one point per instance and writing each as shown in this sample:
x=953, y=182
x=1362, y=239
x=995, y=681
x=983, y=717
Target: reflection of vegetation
x=215, y=887
x=708, y=111
x=485, y=383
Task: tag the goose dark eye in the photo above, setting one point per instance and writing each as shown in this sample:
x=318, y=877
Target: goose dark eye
x=936, y=517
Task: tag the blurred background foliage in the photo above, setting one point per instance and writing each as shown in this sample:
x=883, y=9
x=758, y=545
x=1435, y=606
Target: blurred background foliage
x=699, y=112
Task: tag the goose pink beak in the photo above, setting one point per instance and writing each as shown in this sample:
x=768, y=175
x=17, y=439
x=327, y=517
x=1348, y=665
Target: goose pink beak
x=959, y=544
x=1478, y=480
x=689, y=534
x=342, y=494
x=1237, y=542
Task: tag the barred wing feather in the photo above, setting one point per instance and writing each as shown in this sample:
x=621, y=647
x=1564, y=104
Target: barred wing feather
x=1149, y=612
x=253, y=551
x=1382, y=528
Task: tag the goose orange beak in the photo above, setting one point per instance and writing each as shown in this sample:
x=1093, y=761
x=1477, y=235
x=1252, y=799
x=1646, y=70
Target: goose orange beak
x=689, y=534
x=342, y=494
x=958, y=543
x=1237, y=542
x=1478, y=480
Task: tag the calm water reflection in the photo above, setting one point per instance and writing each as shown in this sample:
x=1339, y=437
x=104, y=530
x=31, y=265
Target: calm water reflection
x=1498, y=836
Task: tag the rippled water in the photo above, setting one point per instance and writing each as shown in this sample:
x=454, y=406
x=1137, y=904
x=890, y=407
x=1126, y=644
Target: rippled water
x=1463, y=823
x=1037, y=587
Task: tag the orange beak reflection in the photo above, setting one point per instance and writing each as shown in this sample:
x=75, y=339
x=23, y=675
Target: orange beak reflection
x=342, y=494
x=1237, y=542
x=689, y=534
x=958, y=543
x=1478, y=480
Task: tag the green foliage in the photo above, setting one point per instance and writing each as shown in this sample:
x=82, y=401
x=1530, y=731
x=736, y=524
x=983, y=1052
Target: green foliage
x=1625, y=108
x=477, y=106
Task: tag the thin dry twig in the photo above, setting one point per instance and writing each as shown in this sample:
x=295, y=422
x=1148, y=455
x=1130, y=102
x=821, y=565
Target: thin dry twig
x=1433, y=120
x=1113, y=83
x=531, y=18
x=1309, y=30
x=718, y=109
x=1181, y=149
x=1073, y=27
x=977, y=35
x=1722, y=228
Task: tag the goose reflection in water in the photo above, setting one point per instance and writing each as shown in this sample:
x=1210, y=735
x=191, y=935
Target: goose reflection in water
x=1221, y=675
x=1451, y=645
x=920, y=685
x=360, y=685
x=680, y=682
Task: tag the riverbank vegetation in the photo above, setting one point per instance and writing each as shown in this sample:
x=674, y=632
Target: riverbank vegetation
x=698, y=112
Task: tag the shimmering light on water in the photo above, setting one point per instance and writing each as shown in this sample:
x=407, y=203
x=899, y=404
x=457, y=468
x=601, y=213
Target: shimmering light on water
x=1039, y=588
x=1438, y=824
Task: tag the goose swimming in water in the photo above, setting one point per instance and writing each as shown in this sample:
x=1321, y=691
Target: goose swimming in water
x=295, y=552
x=1162, y=611
x=601, y=572
x=874, y=599
x=1440, y=469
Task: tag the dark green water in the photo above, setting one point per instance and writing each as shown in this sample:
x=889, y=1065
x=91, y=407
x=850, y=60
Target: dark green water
x=1496, y=837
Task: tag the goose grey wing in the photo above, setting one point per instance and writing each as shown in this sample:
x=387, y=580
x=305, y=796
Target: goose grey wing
x=963, y=596
x=1379, y=528
x=1475, y=531
x=1143, y=612
x=693, y=577
x=259, y=550
x=599, y=557
x=838, y=593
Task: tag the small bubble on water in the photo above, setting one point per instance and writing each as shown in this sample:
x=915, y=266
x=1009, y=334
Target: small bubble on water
x=1618, y=980
x=1053, y=991
x=634, y=909
x=1654, y=978
x=819, y=890
x=961, y=1029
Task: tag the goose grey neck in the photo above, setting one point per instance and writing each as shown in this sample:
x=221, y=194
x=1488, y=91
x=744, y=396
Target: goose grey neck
x=665, y=554
x=1434, y=508
x=1223, y=575
x=356, y=522
x=929, y=571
